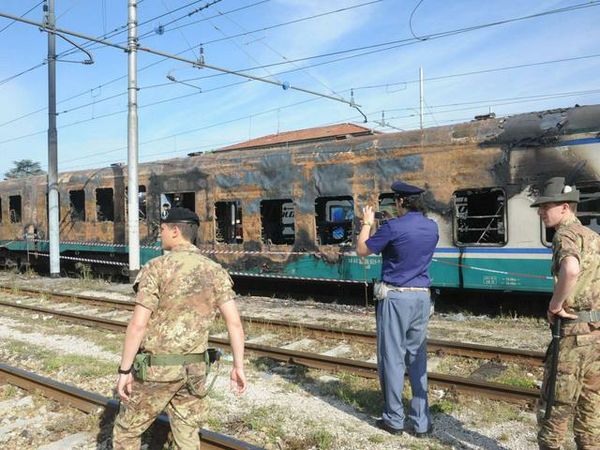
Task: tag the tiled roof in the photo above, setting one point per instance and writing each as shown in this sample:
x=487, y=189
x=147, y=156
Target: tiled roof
x=331, y=132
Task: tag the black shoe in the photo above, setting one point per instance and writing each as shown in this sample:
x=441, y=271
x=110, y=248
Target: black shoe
x=423, y=434
x=380, y=423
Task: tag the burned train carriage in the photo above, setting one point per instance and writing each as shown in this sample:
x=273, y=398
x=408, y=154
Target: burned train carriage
x=289, y=211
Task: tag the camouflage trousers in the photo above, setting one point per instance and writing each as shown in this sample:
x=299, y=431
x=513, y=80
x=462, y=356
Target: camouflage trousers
x=577, y=395
x=147, y=401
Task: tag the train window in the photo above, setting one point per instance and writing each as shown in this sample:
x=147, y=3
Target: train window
x=547, y=235
x=277, y=218
x=141, y=202
x=480, y=217
x=588, y=209
x=77, y=206
x=105, y=205
x=14, y=205
x=177, y=199
x=334, y=217
x=387, y=206
x=228, y=218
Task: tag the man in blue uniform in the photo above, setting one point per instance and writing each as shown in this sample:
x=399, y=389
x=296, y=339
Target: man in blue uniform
x=406, y=244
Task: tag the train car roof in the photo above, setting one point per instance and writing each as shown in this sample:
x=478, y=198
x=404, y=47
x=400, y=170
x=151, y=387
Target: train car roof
x=520, y=130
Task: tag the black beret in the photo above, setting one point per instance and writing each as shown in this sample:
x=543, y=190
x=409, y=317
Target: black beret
x=404, y=190
x=180, y=215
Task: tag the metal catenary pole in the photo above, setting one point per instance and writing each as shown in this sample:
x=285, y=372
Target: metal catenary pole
x=132, y=145
x=53, y=204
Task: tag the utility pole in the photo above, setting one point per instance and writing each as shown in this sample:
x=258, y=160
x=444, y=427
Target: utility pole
x=53, y=204
x=421, y=97
x=132, y=144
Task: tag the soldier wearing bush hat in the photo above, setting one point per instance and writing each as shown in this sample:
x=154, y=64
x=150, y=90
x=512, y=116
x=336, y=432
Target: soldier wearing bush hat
x=557, y=191
x=575, y=372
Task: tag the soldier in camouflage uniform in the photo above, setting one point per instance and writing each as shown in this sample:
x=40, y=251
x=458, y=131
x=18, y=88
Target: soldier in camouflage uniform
x=177, y=298
x=576, y=299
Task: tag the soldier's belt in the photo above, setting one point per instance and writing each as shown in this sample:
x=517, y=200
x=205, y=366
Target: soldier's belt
x=585, y=316
x=176, y=360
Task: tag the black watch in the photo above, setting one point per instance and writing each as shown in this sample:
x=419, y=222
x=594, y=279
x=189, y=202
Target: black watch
x=124, y=372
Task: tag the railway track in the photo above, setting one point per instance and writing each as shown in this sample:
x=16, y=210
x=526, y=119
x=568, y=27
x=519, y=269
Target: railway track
x=90, y=402
x=529, y=357
x=496, y=391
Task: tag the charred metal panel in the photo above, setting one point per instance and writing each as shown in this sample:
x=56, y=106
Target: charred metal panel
x=332, y=179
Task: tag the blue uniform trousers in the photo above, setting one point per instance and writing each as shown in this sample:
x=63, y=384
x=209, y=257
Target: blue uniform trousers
x=402, y=319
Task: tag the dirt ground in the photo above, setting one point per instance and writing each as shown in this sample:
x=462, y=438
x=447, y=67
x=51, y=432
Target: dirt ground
x=286, y=407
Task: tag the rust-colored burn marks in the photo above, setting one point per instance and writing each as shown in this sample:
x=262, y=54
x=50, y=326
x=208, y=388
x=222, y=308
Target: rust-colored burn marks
x=449, y=168
x=494, y=152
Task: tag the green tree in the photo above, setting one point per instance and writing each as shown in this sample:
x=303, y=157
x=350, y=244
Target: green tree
x=24, y=168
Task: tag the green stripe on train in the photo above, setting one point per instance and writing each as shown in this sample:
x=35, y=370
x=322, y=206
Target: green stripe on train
x=522, y=274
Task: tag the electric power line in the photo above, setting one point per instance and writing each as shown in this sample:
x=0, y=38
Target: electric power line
x=22, y=15
x=491, y=102
x=443, y=34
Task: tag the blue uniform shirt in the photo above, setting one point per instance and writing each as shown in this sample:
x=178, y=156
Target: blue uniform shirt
x=406, y=245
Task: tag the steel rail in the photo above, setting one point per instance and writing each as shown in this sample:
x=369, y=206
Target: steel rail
x=93, y=403
x=496, y=391
x=102, y=301
x=530, y=357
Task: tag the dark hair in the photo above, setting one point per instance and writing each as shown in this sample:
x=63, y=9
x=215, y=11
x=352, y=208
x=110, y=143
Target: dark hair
x=413, y=203
x=189, y=231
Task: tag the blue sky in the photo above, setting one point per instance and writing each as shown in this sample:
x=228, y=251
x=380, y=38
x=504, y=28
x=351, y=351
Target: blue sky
x=189, y=119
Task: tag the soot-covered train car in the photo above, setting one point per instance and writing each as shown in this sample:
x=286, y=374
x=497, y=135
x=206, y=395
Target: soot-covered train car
x=289, y=210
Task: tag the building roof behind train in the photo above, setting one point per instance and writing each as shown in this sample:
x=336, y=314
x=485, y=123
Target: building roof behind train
x=305, y=136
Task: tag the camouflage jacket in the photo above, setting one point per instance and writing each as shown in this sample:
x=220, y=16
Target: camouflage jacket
x=574, y=239
x=183, y=290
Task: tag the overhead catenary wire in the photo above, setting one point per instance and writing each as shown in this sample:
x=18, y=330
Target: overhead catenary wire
x=22, y=15
x=284, y=85
x=376, y=48
x=88, y=45
x=561, y=10
x=493, y=102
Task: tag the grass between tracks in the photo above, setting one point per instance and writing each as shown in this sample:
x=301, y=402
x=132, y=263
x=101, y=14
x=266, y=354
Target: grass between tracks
x=50, y=361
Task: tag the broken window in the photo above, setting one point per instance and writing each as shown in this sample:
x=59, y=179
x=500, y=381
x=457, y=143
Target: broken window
x=177, y=199
x=278, y=221
x=141, y=202
x=334, y=217
x=77, y=205
x=105, y=205
x=480, y=217
x=588, y=209
x=228, y=219
x=387, y=207
x=14, y=208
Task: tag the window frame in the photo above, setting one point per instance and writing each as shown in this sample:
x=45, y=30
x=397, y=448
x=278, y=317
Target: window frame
x=350, y=235
x=112, y=200
x=20, y=197
x=490, y=189
x=71, y=191
x=282, y=201
x=238, y=204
